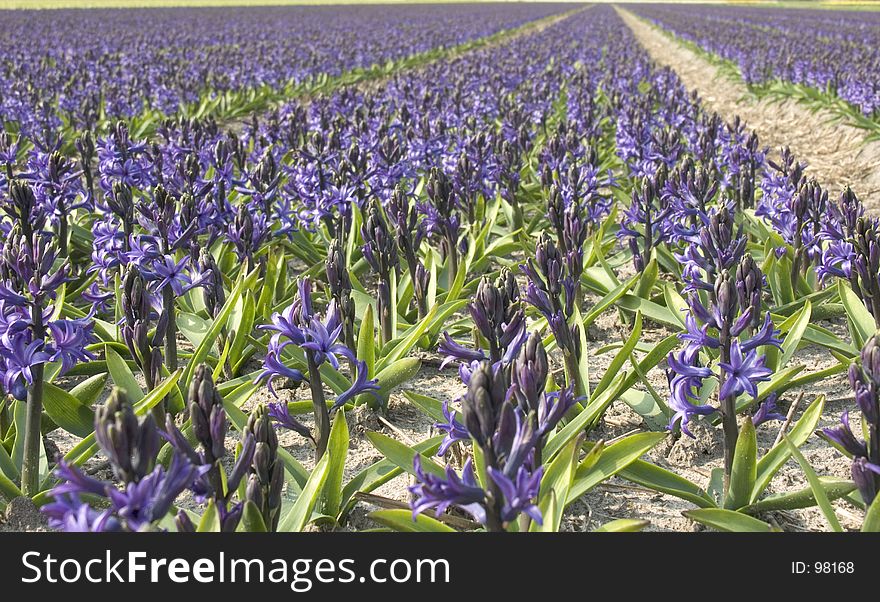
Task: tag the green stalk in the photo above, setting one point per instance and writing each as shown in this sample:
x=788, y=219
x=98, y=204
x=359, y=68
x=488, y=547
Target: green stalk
x=322, y=415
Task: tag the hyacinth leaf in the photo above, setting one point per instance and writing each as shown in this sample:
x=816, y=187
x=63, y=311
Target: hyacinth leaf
x=381, y=472
x=432, y=408
x=18, y=420
x=585, y=417
x=802, y=498
x=242, y=325
x=613, y=459
x=651, y=310
x=402, y=520
x=657, y=354
x=557, y=480
x=411, y=337
x=675, y=303
x=861, y=321
x=88, y=391
x=551, y=517
x=622, y=356
x=647, y=279
x=727, y=520
x=7, y=466
x=366, y=341
x=201, y=353
x=795, y=330
x=337, y=449
x=816, y=485
x=774, y=459
x=871, y=523
x=623, y=525
x=584, y=359
x=8, y=488
x=609, y=299
x=744, y=470
x=193, y=327
x=396, y=374
x=210, y=521
x=252, y=519
x=298, y=515
x=659, y=479
x=67, y=411
x=123, y=378
x=402, y=455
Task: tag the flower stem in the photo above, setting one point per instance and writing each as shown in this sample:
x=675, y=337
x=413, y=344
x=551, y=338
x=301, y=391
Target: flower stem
x=30, y=468
x=170, y=329
x=322, y=415
x=728, y=411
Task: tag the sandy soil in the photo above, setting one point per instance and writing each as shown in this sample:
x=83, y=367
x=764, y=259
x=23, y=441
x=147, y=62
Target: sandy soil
x=836, y=153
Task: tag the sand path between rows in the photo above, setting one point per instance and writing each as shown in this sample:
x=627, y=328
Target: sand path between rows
x=836, y=153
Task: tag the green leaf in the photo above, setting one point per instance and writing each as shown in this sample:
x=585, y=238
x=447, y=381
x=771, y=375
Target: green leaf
x=122, y=376
x=193, y=327
x=337, y=448
x=366, y=342
x=650, y=310
x=647, y=279
x=872, y=517
x=8, y=489
x=675, y=303
x=773, y=460
x=557, y=480
x=408, y=342
x=727, y=520
x=551, y=517
x=296, y=519
x=210, y=522
x=402, y=455
x=795, y=334
x=816, y=486
x=623, y=525
x=202, y=351
x=381, y=472
x=67, y=411
x=584, y=419
x=242, y=326
x=251, y=518
x=396, y=374
x=662, y=480
x=88, y=391
x=609, y=299
x=613, y=459
x=802, y=498
x=622, y=356
x=859, y=317
x=402, y=520
x=431, y=407
x=744, y=470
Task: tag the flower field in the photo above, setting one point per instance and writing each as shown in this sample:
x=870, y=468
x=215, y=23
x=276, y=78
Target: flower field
x=479, y=267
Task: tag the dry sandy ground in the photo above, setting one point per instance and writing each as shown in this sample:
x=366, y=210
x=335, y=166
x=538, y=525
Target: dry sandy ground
x=837, y=154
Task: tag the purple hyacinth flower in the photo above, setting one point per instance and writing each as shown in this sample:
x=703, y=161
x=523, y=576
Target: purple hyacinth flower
x=360, y=385
x=843, y=436
x=743, y=372
x=439, y=493
x=766, y=411
x=70, y=339
x=519, y=492
x=148, y=500
x=273, y=367
x=453, y=351
x=321, y=339
x=279, y=412
x=455, y=430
